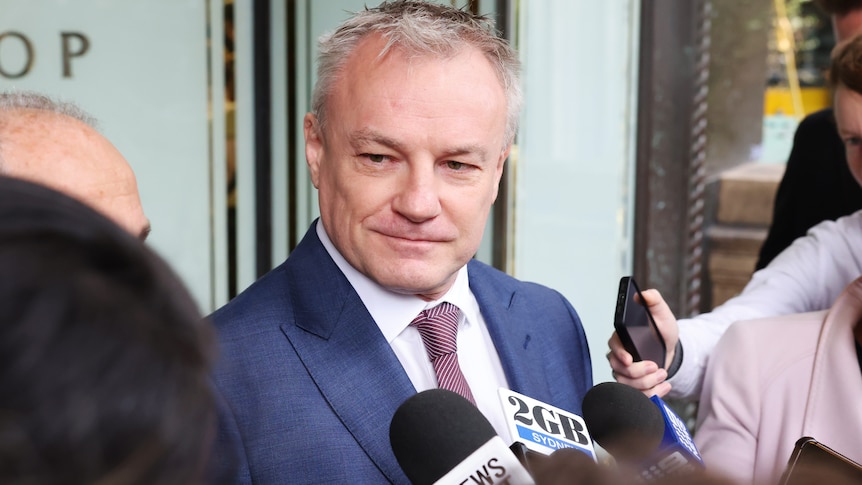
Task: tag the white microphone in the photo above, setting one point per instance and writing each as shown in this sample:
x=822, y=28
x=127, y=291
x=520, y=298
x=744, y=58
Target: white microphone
x=544, y=428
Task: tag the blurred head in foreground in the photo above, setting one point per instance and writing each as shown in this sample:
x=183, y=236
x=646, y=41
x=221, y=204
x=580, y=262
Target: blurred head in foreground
x=104, y=358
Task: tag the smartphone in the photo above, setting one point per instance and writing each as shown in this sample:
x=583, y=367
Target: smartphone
x=635, y=326
x=813, y=462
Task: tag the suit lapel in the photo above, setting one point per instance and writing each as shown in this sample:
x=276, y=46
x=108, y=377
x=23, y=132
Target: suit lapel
x=345, y=353
x=835, y=383
x=509, y=325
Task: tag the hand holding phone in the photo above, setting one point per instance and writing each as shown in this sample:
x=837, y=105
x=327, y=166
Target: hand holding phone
x=635, y=325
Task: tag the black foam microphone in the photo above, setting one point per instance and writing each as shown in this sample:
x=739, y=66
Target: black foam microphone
x=639, y=432
x=440, y=437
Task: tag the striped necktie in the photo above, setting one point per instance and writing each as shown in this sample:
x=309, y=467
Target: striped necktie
x=438, y=327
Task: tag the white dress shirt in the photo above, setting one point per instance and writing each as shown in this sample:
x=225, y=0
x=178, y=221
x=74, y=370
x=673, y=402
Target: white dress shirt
x=393, y=313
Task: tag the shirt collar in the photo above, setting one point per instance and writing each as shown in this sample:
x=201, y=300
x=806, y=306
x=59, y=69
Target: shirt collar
x=393, y=312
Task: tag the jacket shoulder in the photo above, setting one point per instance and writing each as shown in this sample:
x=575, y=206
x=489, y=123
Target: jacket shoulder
x=263, y=297
x=797, y=334
x=819, y=121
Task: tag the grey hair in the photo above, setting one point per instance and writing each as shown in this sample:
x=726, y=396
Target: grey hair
x=30, y=100
x=419, y=28
x=15, y=100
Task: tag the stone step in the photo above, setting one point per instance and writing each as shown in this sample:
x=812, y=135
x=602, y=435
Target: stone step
x=746, y=197
x=747, y=194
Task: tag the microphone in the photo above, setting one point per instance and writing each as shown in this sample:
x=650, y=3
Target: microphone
x=543, y=428
x=439, y=437
x=640, y=432
x=552, y=444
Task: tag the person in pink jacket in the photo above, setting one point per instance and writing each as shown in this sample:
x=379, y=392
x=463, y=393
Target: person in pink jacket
x=773, y=380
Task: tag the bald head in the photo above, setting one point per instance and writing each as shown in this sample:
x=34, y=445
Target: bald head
x=59, y=149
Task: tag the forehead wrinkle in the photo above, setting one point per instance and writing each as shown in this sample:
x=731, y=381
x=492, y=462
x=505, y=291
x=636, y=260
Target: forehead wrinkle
x=466, y=150
x=366, y=136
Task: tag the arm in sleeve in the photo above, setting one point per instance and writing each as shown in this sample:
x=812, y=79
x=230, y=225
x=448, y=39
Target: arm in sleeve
x=807, y=276
x=228, y=462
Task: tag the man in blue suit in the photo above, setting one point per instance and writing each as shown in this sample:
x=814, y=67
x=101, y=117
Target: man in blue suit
x=413, y=116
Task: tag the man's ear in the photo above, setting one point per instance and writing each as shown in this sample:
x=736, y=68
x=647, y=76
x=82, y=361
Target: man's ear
x=500, y=164
x=313, y=146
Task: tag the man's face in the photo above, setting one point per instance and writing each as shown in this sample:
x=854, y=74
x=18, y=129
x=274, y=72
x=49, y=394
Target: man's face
x=848, y=116
x=71, y=157
x=409, y=164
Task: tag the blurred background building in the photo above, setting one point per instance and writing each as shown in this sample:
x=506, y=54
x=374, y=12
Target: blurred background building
x=639, y=115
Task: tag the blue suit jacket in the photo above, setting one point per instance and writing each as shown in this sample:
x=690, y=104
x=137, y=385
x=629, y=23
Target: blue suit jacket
x=308, y=384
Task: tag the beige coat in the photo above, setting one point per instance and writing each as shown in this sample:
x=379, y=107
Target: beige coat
x=774, y=380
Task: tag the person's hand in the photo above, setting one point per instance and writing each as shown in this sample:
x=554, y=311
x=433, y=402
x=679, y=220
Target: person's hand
x=646, y=375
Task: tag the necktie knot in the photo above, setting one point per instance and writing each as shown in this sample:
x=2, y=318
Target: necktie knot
x=438, y=327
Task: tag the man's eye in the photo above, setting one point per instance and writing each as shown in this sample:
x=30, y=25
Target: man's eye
x=455, y=165
x=853, y=141
x=376, y=158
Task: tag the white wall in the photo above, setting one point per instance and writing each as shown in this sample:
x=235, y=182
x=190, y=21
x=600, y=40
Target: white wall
x=144, y=78
x=574, y=173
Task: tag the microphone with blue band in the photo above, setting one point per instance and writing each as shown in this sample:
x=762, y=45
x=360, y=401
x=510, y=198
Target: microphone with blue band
x=643, y=434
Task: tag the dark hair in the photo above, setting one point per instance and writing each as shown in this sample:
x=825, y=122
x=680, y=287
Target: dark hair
x=838, y=7
x=845, y=67
x=104, y=357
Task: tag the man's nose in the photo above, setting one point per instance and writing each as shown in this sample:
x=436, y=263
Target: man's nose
x=418, y=197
